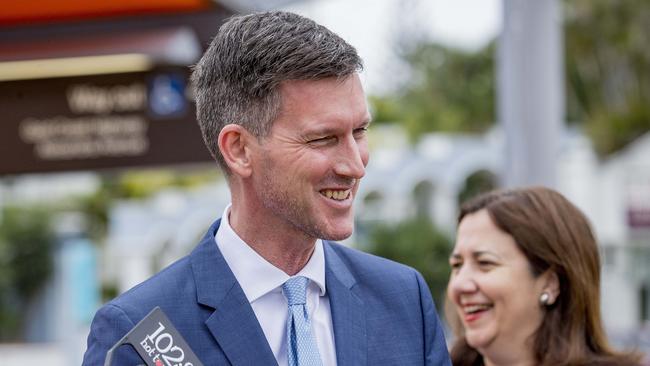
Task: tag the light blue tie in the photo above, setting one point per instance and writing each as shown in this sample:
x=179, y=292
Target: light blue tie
x=301, y=343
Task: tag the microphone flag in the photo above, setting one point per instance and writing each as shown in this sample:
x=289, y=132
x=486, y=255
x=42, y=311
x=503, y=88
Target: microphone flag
x=157, y=342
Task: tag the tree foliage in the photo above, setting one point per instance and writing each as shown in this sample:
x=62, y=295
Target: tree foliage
x=608, y=69
x=26, y=246
x=450, y=90
x=416, y=243
x=476, y=183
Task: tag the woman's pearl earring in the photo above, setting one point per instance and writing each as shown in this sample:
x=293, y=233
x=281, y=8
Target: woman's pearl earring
x=544, y=299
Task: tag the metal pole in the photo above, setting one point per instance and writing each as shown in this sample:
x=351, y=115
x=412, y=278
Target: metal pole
x=530, y=90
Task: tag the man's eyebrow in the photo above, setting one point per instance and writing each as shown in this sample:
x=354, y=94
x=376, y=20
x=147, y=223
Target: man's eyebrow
x=364, y=123
x=325, y=131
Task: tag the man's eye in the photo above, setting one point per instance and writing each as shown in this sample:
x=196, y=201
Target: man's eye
x=321, y=140
x=360, y=131
x=455, y=265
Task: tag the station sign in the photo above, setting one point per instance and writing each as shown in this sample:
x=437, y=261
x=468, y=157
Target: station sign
x=95, y=122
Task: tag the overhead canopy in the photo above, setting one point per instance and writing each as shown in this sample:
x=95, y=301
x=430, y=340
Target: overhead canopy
x=98, y=54
x=172, y=44
x=28, y=11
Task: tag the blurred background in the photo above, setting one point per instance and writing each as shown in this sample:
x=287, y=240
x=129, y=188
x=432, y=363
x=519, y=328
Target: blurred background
x=104, y=178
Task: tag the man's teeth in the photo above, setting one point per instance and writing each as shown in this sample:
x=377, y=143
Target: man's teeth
x=475, y=308
x=336, y=195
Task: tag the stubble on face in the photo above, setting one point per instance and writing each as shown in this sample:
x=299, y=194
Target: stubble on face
x=277, y=195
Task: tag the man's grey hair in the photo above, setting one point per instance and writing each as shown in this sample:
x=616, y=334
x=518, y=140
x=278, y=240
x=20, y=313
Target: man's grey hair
x=238, y=78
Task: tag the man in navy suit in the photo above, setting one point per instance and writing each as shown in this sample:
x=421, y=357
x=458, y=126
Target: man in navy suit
x=283, y=112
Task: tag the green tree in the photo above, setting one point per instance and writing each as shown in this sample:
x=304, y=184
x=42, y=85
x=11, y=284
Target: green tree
x=608, y=69
x=418, y=244
x=450, y=90
x=476, y=183
x=26, y=247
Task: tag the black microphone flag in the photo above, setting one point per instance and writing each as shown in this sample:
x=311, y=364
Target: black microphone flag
x=157, y=342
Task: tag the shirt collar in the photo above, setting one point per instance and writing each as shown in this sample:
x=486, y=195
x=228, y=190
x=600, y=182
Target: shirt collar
x=256, y=275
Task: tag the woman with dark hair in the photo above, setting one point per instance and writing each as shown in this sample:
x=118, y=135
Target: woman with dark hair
x=525, y=283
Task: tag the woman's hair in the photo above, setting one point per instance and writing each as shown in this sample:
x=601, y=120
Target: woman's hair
x=553, y=234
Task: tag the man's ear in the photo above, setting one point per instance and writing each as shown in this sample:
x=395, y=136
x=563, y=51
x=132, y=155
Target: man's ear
x=234, y=143
x=551, y=285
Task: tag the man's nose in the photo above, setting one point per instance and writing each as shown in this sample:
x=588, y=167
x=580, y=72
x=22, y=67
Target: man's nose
x=352, y=158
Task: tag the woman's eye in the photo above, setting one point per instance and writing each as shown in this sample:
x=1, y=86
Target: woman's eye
x=455, y=265
x=485, y=264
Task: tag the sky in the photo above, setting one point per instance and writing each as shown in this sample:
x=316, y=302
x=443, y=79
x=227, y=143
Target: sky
x=375, y=27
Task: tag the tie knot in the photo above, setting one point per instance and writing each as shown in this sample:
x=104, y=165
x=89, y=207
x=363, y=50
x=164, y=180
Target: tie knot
x=295, y=290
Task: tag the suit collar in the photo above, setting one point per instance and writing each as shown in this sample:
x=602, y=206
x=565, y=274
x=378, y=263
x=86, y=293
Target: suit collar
x=348, y=315
x=257, y=276
x=334, y=266
x=233, y=323
x=212, y=276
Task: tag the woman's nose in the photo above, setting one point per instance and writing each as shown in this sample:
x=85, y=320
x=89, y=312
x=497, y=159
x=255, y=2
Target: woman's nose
x=462, y=281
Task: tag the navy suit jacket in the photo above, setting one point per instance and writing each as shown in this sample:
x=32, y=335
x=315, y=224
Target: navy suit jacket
x=382, y=312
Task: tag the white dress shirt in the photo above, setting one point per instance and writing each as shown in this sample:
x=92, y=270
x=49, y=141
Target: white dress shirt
x=262, y=285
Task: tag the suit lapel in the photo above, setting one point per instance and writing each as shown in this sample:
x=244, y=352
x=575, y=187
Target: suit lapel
x=348, y=317
x=233, y=323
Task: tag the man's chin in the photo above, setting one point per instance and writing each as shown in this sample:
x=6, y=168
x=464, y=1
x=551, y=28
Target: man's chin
x=338, y=228
x=336, y=235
